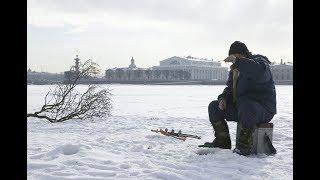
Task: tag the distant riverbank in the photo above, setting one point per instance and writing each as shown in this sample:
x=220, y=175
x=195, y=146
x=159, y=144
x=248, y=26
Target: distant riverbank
x=216, y=82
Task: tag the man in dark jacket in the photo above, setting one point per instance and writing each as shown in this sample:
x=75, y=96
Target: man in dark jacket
x=249, y=98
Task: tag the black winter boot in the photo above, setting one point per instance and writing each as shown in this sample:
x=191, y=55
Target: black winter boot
x=221, y=132
x=244, y=142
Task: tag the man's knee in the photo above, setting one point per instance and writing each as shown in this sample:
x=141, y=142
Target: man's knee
x=215, y=114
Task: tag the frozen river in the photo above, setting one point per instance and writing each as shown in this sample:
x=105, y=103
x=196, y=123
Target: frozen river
x=122, y=146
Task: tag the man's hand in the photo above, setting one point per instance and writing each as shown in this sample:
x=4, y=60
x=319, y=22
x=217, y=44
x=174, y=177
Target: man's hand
x=222, y=104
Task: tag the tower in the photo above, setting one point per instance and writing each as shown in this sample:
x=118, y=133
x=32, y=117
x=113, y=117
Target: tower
x=77, y=63
x=132, y=65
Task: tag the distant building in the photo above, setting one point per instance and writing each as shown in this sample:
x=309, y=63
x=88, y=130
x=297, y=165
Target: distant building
x=69, y=75
x=77, y=61
x=133, y=73
x=171, y=69
x=199, y=69
x=282, y=71
x=34, y=77
x=132, y=65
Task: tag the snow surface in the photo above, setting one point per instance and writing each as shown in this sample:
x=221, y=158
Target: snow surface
x=123, y=147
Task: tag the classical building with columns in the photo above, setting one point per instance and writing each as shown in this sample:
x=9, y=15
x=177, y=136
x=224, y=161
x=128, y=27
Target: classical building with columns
x=171, y=69
x=199, y=69
x=134, y=73
x=282, y=71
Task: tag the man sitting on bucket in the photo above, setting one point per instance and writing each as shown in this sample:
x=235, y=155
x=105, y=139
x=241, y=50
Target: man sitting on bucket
x=249, y=99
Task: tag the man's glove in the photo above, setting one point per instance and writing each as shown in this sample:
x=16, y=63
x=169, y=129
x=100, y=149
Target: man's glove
x=222, y=104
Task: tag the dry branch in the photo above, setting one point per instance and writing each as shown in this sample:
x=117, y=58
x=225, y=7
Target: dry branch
x=65, y=102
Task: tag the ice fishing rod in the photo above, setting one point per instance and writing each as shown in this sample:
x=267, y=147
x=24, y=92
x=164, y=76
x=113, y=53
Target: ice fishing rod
x=178, y=135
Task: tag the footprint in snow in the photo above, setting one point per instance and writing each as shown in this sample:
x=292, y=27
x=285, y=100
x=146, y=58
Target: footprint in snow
x=125, y=166
x=67, y=149
x=207, y=151
x=70, y=149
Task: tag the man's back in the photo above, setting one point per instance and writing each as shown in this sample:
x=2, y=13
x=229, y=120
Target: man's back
x=255, y=81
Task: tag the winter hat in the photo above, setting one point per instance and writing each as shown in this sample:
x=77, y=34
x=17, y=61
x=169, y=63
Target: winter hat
x=238, y=47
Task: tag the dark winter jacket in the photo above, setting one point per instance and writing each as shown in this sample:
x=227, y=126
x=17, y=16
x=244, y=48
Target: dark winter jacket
x=254, y=82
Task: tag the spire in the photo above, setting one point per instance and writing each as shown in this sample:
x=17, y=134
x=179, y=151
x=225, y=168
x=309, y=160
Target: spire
x=77, y=63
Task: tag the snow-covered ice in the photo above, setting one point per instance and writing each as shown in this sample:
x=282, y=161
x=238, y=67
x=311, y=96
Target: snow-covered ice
x=123, y=147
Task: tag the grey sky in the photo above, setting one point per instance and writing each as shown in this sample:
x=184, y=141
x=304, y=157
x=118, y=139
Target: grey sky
x=111, y=31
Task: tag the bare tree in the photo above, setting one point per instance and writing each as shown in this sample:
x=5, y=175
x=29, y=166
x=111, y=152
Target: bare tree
x=65, y=102
x=110, y=74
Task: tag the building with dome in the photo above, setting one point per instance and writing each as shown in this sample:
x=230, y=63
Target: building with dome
x=171, y=69
x=282, y=71
x=132, y=65
x=199, y=68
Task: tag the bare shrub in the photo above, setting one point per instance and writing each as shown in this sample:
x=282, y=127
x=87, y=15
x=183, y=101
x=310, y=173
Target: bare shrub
x=65, y=102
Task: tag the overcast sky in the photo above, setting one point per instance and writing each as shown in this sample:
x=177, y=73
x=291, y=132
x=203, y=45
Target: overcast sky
x=111, y=31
